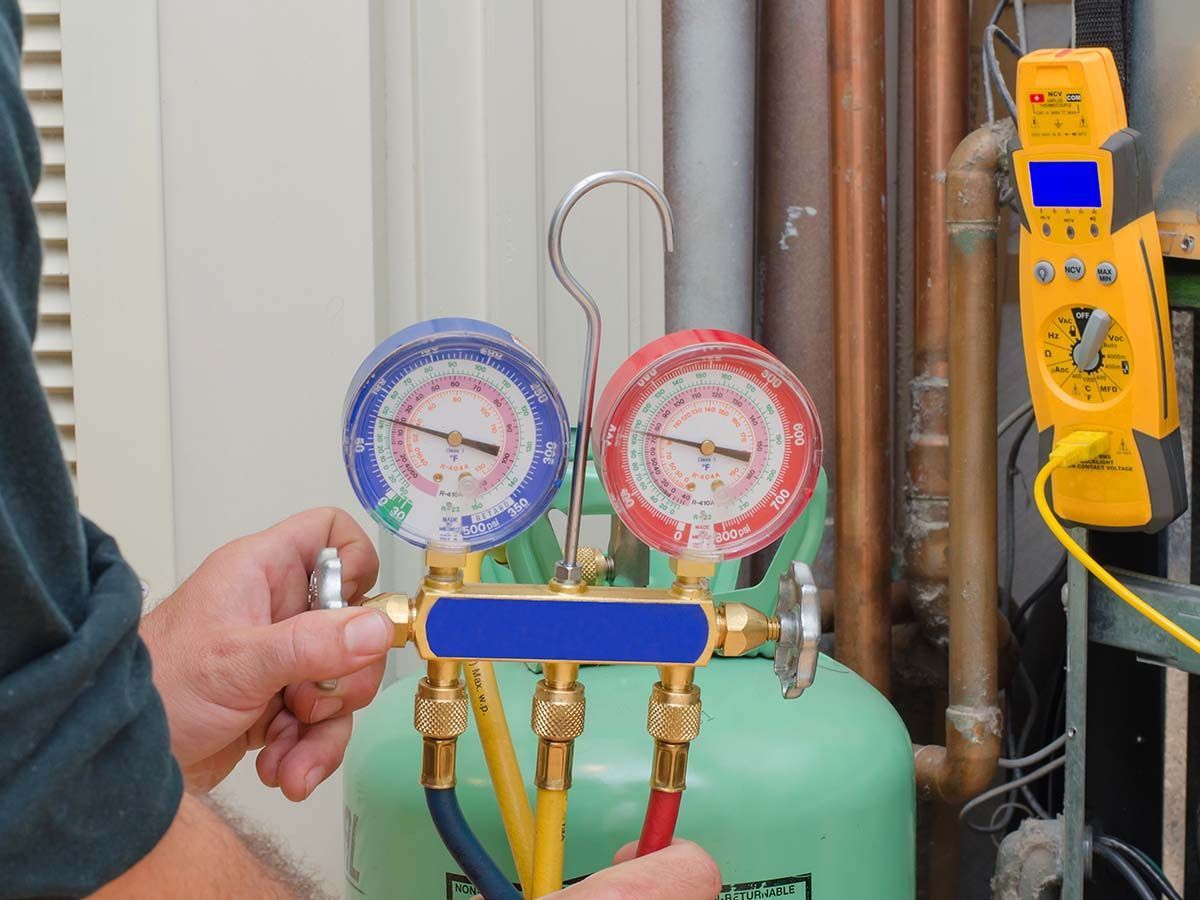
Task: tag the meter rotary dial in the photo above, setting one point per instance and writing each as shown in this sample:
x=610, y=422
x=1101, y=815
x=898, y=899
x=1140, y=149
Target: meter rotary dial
x=1086, y=354
x=708, y=445
x=454, y=435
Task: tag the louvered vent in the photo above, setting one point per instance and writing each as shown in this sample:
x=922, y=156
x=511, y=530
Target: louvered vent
x=41, y=78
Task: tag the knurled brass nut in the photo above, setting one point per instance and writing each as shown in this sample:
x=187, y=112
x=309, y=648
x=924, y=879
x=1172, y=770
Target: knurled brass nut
x=674, y=716
x=558, y=714
x=440, y=712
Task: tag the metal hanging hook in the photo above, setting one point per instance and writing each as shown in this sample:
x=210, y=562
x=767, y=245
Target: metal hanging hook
x=568, y=570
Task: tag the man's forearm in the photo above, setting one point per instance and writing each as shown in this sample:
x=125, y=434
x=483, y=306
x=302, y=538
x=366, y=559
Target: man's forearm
x=204, y=856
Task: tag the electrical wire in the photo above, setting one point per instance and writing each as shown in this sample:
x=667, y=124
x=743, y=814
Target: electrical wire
x=1102, y=574
x=498, y=752
x=988, y=100
x=452, y=827
x=1050, y=587
x=662, y=813
x=1141, y=859
x=1036, y=757
x=1011, y=470
x=1013, y=417
x=993, y=64
x=1124, y=869
x=997, y=791
x=549, y=835
x=1019, y=15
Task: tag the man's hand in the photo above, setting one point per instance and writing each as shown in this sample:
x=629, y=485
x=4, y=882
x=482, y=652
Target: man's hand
x=680, y=872
x=236, y=655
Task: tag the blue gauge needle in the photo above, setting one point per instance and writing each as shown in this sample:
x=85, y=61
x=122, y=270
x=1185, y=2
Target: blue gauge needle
x=708, y=448
x=453, y=438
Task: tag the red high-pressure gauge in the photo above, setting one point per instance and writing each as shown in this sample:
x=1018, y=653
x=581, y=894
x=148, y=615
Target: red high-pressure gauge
x=708, y=445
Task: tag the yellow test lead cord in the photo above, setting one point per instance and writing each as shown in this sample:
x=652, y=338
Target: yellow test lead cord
x=498, y=752
x=548, y=842
x=1077, y=447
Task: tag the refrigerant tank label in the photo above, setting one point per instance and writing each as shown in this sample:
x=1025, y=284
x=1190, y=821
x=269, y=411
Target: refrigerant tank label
x=799, y=887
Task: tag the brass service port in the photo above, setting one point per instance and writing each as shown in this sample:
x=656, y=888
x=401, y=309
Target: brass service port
x=440, y=716
x=557, y=718
x=673, y=720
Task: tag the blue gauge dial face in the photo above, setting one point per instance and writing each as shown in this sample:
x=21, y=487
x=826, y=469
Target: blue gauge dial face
x=454, y=435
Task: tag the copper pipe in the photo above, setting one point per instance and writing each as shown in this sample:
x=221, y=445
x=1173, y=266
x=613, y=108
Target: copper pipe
x=862, y=359
x=939, y=123
x=899, y=607
x=967, y=763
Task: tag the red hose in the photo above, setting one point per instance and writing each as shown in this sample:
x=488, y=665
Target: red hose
x=662, y=812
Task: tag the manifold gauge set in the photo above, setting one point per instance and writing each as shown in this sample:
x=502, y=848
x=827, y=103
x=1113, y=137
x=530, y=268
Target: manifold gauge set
x=457, y=441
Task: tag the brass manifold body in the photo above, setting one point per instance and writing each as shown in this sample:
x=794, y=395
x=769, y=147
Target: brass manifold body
x=733, y=628
x=559, y=707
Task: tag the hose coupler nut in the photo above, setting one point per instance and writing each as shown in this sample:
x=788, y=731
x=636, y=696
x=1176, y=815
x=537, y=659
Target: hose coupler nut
x=557, y=719
x=595, y=567
x=558, y=712
x=440, y=715
x=440, y=711
x=673, y=715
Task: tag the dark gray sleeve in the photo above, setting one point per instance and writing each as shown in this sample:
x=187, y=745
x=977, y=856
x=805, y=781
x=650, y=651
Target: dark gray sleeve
x=87, y=781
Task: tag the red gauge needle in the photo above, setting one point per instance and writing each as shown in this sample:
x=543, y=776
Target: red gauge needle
x=453, y=438
x=708, y=448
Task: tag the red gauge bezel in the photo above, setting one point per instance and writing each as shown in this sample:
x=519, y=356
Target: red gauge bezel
x=656, y=365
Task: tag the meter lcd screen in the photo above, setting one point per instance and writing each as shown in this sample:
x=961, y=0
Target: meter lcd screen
x=1071, y=183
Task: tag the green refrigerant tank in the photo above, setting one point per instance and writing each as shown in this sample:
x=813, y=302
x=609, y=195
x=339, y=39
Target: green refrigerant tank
x=810, y=798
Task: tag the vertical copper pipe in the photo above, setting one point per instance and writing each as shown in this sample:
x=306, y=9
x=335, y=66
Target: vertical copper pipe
x=939, y=123
x=966, y=764
x=862, y=358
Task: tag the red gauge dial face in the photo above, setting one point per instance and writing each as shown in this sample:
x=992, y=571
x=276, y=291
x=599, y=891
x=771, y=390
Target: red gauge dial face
x=707, y=444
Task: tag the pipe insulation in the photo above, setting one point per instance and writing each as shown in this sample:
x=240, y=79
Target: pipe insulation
x=708, y=161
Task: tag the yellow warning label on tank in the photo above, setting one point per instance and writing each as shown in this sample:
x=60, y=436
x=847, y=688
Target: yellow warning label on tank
x=1098, y=378
x=1059, y=114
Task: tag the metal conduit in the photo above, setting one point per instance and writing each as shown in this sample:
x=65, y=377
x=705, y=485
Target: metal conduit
x=708, y=161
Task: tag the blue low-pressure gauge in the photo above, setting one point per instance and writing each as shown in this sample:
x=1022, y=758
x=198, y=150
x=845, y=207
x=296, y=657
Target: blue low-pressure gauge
x=454, y=435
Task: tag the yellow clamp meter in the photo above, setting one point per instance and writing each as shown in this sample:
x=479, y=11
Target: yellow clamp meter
x=1094, y=314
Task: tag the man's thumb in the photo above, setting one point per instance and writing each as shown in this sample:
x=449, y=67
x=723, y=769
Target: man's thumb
x=321, y=644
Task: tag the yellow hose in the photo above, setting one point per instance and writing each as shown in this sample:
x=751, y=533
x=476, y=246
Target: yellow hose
x=550, y=825
x=1039, y=496
x=499, y=754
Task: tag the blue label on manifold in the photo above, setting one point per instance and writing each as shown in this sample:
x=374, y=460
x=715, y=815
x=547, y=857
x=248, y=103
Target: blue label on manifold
x=584, y=630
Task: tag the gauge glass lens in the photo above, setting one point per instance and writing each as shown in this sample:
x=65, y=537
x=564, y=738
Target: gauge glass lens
x=454, y=435
x=708, y=445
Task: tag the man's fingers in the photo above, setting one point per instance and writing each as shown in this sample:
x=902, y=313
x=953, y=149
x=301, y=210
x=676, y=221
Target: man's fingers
x=289, y=550
x=680, y=872
x=314, y=757
x=313, y=646
x=282, y=735
x=626, y=853
x=312, y=704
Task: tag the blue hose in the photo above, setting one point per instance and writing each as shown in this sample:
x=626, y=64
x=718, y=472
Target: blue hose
x=456, y=834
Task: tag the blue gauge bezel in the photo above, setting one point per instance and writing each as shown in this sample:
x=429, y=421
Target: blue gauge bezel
x=474, y=341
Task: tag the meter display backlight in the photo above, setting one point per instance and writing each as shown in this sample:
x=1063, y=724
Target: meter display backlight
x=1065, y=183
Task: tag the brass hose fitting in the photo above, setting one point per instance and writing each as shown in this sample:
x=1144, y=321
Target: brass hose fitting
x=401, y=609
x=673, y=720
x=743, y=628
x=595, y=567
x=557, y=719
x=440, y=716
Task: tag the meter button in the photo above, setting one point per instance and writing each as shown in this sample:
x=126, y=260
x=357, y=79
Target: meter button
x=1043, y=271
x=1106, y=273
x=1074, y=268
